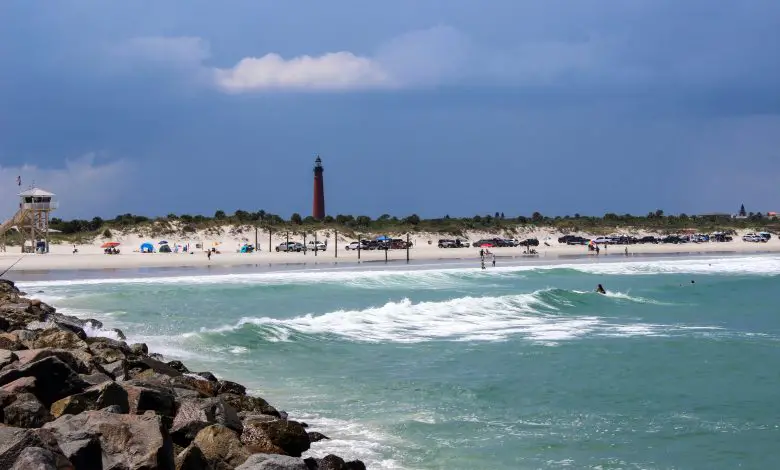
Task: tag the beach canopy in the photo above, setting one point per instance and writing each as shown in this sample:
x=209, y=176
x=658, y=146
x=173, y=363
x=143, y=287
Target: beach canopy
x=162, y=242
x=109, y=245
x=147, y=248
x=382, y=238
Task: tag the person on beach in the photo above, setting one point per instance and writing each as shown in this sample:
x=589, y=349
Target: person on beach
x=626, y=251
x=208, y=255
x=600, y=289
x=494, y=261
x=481, y=254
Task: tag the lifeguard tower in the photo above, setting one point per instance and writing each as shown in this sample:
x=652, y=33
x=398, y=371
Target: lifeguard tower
x=31, y=221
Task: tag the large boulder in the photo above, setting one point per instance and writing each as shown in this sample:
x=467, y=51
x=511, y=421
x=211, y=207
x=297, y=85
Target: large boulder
x=53, y=379
x=10, y=341
x=56, y=338
x=75, y=359
x=23, y=385
x=204, y=387
x=331, y=462
x=6, y=357
x=192, y=458
x=221, y=447
x=196, y=414
x=226, y=386
x=126, y=441
x=145, y=362
x=107, y=350
x=179, y=366
x=273, y=462
x=14, y=440
x=94, y=398
x=247, y=403
x=96, y=378
x=26, y=412
x=142, y=397
x=289, y=436
x=38, y=458
x=82, y=448
x=316, y=437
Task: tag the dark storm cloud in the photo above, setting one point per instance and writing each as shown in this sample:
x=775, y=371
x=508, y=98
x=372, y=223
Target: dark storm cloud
x=521, y=105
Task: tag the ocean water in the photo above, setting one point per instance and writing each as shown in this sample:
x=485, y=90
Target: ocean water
x=513, y=367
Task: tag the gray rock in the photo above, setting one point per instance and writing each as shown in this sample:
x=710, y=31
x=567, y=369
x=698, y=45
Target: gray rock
x=208, y=376
x=26, y=412
x=113, y=409
x=196, y=414
x=38, y=458
x=55, y=338
x=23, y=385
x=115, y=369
x=126, y=441
x=226, y=386
x=94, y=398
x=289, y=436
x=247, y=403
x=182, y=393
x=75, y=359
x=316, y=437
x=53, y=379
x=177, y=365
x=139, y=349
x=221, y=447
x=273, y=462
x=10, y=341
x=82, y=448
x=192, y=458
x=331, y=462
x=6, y=357
x=96, y=378
x=14, y=440
x=144, y=397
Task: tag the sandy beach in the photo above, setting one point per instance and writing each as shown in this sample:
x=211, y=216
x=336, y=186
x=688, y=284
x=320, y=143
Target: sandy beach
x=91, y=256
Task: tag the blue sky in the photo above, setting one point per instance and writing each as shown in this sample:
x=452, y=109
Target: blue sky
x=433, y=107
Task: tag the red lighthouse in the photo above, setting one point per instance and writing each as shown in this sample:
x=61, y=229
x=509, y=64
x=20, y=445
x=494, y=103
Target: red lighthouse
x=318, y=208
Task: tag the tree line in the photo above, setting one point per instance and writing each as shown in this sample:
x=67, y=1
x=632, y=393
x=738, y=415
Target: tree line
x=496, y=221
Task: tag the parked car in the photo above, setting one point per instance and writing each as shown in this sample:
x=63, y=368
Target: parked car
x=445, y=243
x=318, y=246
x=530, y=242
x=363, y=245
x=648, y=239
x=573, y=240
x=602, y=240
x=753, y=238
x=290, y=246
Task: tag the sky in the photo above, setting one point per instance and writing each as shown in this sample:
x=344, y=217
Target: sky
x=434, y=107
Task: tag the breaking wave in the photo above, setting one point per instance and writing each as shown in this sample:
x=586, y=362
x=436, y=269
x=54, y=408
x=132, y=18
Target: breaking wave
x=539, y=316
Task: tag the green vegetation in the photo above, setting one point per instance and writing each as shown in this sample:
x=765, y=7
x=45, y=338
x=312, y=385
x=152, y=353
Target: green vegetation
x=73, y=231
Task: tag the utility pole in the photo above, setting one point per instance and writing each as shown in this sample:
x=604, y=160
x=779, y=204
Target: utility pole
x=336, y=244
x=407, y=247
x=359, y=243
x=269, y=239
x=256, y=247
x=316, y=248
x=304, y=243
x=387, y=248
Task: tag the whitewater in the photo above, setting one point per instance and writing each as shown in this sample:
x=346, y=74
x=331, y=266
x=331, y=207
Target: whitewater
x=518, y=366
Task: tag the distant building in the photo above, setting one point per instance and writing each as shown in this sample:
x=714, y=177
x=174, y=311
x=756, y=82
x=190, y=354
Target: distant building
x=318, y=206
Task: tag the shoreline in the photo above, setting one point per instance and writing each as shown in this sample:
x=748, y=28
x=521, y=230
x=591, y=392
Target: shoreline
x=69, y=400
x=90, y=272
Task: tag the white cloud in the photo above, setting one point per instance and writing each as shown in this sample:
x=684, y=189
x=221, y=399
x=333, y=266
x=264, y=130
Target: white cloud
x=332, y=71
x=418, y=59
x=83, y=187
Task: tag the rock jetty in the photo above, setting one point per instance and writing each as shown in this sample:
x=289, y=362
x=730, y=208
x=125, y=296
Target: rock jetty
x=72, y=401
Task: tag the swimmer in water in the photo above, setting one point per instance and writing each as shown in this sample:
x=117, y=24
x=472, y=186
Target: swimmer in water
x=600, y=289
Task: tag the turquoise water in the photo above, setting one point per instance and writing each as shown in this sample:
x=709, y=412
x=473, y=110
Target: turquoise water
x=510, y=368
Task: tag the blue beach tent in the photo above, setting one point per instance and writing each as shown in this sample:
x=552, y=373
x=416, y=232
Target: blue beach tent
x=383, y=238
x=147, y=248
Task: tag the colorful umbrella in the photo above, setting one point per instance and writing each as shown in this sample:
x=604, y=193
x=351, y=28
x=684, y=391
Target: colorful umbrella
x=109, y=245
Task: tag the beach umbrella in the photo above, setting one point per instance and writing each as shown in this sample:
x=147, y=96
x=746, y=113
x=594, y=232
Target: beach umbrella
x=162, y=242
x=109, y=245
